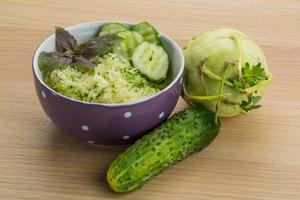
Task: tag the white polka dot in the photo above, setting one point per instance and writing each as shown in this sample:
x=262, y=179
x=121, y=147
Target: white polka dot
x=90, y=141
x=53, y=93
x=127, y=114
x=85, y=127
x=181, y=80
x=43, y=94
x=161, y=115
x=126, y=137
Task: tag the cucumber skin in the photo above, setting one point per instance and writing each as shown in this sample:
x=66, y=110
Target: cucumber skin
x=101, y=30
x=137, y=39
x=183, y=134
x=140, y=28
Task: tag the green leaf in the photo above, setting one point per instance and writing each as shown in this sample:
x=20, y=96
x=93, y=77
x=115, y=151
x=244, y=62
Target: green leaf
x=253, y=74
x=238, y=84
x=251, y=103
x=255, y=99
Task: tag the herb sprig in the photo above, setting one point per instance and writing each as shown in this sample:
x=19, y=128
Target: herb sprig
x=251, y=76
x=69, y=53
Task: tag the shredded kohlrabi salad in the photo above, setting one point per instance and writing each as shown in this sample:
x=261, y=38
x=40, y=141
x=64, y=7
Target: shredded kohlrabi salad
x=118, y=65
x=113, y=80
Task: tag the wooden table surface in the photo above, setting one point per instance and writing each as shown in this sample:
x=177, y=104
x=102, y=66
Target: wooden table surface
x=254, y=157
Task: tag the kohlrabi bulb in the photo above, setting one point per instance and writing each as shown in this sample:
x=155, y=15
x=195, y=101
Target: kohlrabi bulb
x=225, y=71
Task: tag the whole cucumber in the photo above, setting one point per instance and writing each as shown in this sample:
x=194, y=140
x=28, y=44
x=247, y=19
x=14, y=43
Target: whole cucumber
x=184, y=133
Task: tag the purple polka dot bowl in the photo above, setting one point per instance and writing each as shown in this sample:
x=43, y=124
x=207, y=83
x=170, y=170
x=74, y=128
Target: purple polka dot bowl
x=108, y=124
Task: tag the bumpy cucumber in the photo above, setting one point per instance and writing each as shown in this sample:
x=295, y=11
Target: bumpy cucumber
x=130, y=40
x=112, y=28
x=148, y=31
x=152, y=61
x=183, y=134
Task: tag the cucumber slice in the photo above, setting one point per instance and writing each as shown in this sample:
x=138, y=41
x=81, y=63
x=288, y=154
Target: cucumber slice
x=131, y=40
x=152, y=61
x=148, y=31
x=112, y=28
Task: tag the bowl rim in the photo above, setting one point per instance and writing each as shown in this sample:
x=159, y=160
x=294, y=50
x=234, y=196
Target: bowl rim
x=128, y=103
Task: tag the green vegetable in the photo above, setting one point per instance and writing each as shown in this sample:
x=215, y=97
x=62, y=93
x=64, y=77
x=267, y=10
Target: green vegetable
x=185, y=133
x=225, y=71
x=148, y=31
x=112, y=28
x=90, y=72
x=130, y=40
x=113, y=80
x=152, y=60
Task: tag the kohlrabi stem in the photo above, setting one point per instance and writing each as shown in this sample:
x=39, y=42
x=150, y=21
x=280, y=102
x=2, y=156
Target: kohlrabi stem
x=214, y=76
x=262, y=84
x=204, y=98
x=221, y=89
x=240, y=53
x=202, y=77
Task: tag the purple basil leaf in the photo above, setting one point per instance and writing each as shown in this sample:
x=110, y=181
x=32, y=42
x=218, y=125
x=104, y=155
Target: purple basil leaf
x=68, y=54
x=64, y=40
x=79, y=49
x=53, y=59
x=100, y=45
x=82, y=62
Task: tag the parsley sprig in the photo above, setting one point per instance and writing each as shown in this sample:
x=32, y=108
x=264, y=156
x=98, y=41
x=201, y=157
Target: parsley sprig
x=251, y=76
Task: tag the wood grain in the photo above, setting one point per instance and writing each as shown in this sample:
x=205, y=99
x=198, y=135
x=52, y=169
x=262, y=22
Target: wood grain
x=254, y=157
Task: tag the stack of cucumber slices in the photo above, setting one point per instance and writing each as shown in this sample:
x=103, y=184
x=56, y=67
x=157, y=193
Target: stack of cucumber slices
x=142, y=46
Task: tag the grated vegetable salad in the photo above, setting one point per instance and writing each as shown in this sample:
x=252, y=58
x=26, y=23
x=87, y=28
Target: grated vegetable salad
x=113, y=80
